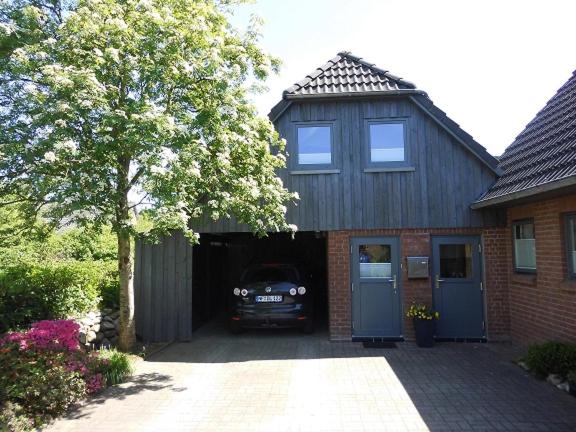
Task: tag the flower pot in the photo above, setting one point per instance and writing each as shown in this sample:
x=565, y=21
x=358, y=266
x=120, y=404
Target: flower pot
x=424, y=332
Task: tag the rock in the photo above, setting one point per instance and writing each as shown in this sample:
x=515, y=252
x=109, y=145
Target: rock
x=110, y=333
x=114, y=340
x=86, y=321
x=115, y=315
x=564, y=386
x=105, y=343
x=107, y=325
x=96, y=328
x=523, y=365
x=82, y=337
x=554, y=379
x=93, y=315
x=90, y=336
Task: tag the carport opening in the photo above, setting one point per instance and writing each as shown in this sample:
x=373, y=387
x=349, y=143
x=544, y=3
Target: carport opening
x=219, y=261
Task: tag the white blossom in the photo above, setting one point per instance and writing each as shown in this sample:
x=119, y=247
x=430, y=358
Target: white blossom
x=63, y=107
x=154, y=169
x=194, y=169
x=50, y=156
x=50, y=41
x=85, y=103
x=7, y=29
x=29, y=88
x=98, y=52
x=20, y=55
x=292, y=227
x=119, y=23
x=67, y=145
x=144, y=4
x=60, y=123
x=114, y=53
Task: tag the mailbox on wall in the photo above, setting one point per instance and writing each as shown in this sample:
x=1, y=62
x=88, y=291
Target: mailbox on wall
x=417, y=267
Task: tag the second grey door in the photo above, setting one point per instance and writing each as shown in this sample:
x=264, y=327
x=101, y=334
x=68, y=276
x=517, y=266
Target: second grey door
x=376, y=297
x=457, y=287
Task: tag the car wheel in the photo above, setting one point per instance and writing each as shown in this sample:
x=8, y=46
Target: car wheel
x=235, y=327
x=308, y=328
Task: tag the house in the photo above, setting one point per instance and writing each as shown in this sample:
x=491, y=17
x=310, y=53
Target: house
x=380, y=171
x=538, y=190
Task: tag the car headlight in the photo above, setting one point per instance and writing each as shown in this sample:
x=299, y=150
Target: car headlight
x=236, y=291
x=301, y=290
x=293, y=291
x=244, y=292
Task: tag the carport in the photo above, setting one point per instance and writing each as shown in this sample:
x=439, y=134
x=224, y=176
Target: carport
x=180, y=288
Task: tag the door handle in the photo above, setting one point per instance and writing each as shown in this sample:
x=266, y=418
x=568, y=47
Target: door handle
x=438, y=280
x=394, y=283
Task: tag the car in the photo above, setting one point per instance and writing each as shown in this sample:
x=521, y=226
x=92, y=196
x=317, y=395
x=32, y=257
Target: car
x=272, y=295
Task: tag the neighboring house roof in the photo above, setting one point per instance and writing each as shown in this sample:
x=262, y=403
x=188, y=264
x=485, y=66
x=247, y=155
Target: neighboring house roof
x=543, y=156
x=347, y=75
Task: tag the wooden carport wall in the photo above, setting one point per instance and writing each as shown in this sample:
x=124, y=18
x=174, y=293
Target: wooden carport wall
x=163, y=289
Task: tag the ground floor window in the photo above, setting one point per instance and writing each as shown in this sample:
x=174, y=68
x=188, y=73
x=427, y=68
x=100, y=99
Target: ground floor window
x=524, y=246
x=571, y=243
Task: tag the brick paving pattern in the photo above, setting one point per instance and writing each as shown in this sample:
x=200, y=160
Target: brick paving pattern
x=284, y=381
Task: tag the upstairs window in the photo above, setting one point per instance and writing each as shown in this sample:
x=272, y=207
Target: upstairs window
x=386, y=142
x=314, y=145
x=524, y=246
x=571, y=244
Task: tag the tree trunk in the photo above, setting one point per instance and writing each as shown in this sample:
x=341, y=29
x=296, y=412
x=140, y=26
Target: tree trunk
x=127, y=339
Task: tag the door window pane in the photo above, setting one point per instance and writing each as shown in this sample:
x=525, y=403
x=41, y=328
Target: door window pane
x=456, y=261
x=375, y=261
x=387, y=142
x=524, y=246
x=314, y=145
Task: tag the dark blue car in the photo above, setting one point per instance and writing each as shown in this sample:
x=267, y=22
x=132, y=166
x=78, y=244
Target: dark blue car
x=272, y=295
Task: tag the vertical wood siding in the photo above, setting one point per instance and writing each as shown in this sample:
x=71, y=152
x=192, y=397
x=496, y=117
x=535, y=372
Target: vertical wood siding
x=163, y=289
x=446, y=179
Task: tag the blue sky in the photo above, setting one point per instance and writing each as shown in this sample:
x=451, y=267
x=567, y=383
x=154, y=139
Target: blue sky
x=490, y=65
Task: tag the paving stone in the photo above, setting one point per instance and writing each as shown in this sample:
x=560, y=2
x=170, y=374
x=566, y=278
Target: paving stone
x=283, y=381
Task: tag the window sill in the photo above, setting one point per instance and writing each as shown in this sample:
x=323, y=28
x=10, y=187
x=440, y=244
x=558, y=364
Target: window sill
x=389, y=169
x=315, y=171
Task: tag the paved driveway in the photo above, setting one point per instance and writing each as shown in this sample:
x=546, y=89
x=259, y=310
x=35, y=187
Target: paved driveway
x=284, y=381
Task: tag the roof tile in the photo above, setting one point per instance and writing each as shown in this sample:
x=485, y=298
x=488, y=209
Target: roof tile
x=347, y=73
x=545, y=151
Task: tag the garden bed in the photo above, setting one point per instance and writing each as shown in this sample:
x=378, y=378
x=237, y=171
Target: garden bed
x=46, y=372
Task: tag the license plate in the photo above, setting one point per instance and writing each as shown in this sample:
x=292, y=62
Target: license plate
x=269, y=299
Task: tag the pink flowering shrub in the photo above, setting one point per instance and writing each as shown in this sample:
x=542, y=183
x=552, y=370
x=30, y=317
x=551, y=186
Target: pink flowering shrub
x=57, y=335
x=45, y=371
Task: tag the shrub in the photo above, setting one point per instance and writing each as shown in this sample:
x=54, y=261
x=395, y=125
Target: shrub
x=551, y=358
x=35, y=291
x=44, y=370
x=115, y=366
x=13, y=418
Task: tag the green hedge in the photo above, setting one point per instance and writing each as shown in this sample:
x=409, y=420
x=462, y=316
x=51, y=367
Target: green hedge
x=36, y=291
x=551, y=358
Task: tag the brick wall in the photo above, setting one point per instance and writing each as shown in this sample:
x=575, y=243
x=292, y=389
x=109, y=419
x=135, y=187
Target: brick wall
x=543, y=306
x=495, y=242
x=414, y=242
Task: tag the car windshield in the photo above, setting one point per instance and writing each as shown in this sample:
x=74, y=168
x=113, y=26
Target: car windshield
x=271, y=274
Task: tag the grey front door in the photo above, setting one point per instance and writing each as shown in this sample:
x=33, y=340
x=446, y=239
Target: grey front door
x=457, y=287
x=376, y=294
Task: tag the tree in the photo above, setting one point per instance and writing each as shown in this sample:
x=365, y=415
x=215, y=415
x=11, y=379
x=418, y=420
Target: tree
x=107, y=101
